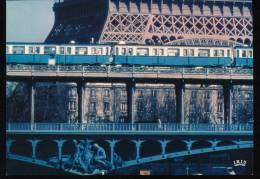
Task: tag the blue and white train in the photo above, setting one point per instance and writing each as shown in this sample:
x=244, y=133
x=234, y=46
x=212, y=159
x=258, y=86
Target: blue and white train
x=122, y=54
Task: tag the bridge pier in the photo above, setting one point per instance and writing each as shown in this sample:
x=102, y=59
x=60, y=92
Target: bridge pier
x=60, y=145
x=81, y=92
x=31, y=89
x=228, y=94
x=163, y=146
x=179, y=90
x=9, y=143
x=34, y=143
x=112, y=144
x=131, y=100
x=138, y=144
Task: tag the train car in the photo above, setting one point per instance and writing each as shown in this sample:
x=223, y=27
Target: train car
x=34, y=53
x=173, y=56
x=93, y=54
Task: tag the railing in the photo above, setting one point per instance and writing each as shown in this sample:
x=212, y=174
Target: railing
x=123, y=69
x=128, y=127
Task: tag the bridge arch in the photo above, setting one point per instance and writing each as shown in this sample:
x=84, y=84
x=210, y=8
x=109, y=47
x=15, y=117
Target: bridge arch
x=104, y=144
x=21, y=147
x=126, y=149
x=199, y=144
x=225, y=143
x=68, y=147
x=150, y=148
x=46, y=149
x=176, y=146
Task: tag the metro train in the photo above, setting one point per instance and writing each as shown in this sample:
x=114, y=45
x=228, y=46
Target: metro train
x=122, y=54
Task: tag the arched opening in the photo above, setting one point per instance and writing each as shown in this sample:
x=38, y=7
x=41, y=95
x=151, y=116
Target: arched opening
x=126, y=149
x=68, y=148
x=156, y=39
x=232, y=39
x=239, y=40
x=180, y=37
x=247, y=41
x=148, y=41
x=150, y=148
x=225, y=143
x=164, y=39
x=46, y=149
x=21, y=147
x=176, y=146
x=201, y=144
x=172, y=38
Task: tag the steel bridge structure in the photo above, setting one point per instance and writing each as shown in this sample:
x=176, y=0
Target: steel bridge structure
x=165, y=22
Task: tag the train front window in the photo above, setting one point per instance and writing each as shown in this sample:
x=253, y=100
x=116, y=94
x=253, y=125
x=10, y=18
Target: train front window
x=204, y=53
x=18, y=49
x=244, y=53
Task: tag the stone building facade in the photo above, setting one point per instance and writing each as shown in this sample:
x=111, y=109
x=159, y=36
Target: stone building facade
x=106, y=102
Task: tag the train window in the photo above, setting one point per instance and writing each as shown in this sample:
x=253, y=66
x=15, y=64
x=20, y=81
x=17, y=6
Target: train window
x=228, y=53
x=155, y=51
x=81, y=51
x=130, y=51
x=215, y=53
x=185, y=52
x=191, y=52
x=221, y=53
x=107, y=51
x=100, y=51
x=30, y=50
x=123, y=51
x=204, y=53
x=61, y=50
x=117, y=50
x=18, y=49
x=142, y=51
x=173, y=52
x=250, y=52
x=49, y=50
x=37, y=50
x=238, y=53
x=68, y=51
x=93, y=51
x=7, y=49
x=244, y=53
x=161, y=52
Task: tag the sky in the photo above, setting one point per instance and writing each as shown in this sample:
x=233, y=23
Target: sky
x=28, y=20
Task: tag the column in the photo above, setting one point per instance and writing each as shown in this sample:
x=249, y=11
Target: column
x=34, y=143
x=112, y=144
x=179, y=90
x=31, y=86
x=138, y=146
x=131, y=100
x=9, y=143
x=60, y=145
x=228, y=93
x=163, y=146
x=189, y=144
x=81, y=91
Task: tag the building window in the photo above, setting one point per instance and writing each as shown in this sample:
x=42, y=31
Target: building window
x=141, y=93
x=106, y=106
x=123, y=93
x=92, y=106
x=219, y=107
x=92, y=93
x=193, y=94
x=154, y=93
x=123, y=107
x=207, y=95
x=220, y=94
x=106, y=92
x=207, y=107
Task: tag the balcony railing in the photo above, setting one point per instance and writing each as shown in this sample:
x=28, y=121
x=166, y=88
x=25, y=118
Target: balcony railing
x=123, y=69
x=128, y=127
